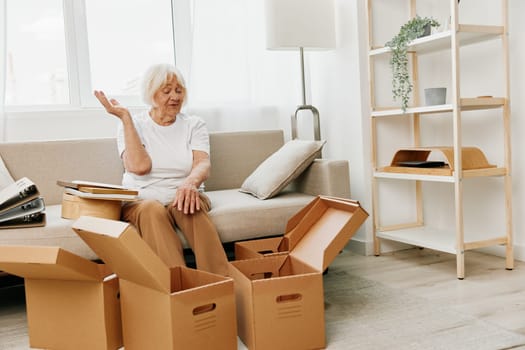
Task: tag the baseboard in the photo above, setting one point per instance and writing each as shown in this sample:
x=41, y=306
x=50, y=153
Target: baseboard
x=357, y=246
x=519, y=251
x=367, y=248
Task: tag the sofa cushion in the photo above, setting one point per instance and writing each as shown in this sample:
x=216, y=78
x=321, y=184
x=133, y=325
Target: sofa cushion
x=239, y=216
x=281, y=168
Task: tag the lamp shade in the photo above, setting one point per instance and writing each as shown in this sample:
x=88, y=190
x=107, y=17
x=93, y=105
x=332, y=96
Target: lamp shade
x=300, y=23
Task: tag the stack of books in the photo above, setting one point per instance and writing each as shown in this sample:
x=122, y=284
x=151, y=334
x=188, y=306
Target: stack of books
x=94, y=199
x=21, y=205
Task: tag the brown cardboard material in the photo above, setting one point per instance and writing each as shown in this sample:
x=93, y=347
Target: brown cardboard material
x=258, y=248
x=311, y=226
x=162, y=308
x=73, y=207
x=71, y=302
x=280, y=298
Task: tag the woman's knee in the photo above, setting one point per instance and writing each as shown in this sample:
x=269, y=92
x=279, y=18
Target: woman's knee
x=150, y=207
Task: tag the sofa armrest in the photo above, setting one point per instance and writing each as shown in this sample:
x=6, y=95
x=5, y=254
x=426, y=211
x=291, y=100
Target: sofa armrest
x=325, y=177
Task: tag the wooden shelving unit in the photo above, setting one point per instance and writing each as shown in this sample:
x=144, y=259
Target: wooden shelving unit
x=418, y=233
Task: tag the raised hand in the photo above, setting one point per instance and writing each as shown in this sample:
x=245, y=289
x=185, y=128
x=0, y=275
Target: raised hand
x=112, y=106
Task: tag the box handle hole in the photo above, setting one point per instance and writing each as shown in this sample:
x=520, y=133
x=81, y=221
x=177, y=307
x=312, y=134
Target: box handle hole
x=204, y=308
x=261, y=275
x=288, y=298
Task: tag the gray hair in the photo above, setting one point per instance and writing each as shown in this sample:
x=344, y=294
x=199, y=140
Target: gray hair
x=156, y=76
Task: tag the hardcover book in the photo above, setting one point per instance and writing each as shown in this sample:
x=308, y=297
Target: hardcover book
x=98, y=190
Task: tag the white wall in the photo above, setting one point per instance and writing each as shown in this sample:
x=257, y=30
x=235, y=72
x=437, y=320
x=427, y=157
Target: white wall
x=339, y=85
x=46, y=125
x=92, y=123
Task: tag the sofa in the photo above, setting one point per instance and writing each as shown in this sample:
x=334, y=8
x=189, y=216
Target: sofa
x=234, y=156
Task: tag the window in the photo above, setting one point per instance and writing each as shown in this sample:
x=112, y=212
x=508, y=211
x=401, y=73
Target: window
x=122, y=47
x=36, y=72
x=58, y=51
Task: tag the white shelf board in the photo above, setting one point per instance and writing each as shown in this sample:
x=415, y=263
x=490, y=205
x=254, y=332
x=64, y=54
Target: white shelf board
x=404, y=176
x=413, y=110
x=437, y=239
x=467, y=35
x=466, y=104
x=430, y=43
x=440, y=240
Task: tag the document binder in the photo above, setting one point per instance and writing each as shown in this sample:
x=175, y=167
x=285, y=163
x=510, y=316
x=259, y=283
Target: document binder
x=21, y=205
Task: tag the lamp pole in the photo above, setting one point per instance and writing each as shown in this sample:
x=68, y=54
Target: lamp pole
x=304, y=106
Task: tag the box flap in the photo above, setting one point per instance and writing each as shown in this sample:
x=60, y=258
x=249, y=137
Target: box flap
x=120, y=246
x=294, y=220
x=324, y=230
x=47, y=263
x=288, y=241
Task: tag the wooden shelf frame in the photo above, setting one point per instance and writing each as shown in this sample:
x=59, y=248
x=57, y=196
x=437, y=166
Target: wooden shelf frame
x=455, y=241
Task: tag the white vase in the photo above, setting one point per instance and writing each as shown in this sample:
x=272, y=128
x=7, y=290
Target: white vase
x=435, y=96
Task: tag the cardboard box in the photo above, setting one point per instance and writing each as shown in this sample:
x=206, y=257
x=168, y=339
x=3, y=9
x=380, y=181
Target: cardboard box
x=162, y=308
x=73, y=207
x=295, y=231
x=280, y=298
x=71, y=302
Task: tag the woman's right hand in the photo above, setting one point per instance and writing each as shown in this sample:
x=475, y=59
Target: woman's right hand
x=112, y=106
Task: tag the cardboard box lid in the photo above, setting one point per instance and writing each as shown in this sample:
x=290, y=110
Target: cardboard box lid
x=48, y=263
x=321, y=230
x=120, y=246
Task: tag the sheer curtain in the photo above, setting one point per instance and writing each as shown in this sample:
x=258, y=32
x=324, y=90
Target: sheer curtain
x=233, y=81
x=3, y=53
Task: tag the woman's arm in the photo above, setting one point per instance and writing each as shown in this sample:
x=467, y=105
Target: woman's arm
x=135, y=158
x=187, y=196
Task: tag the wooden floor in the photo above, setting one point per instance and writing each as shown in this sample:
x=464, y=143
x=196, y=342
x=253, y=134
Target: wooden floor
x=489, y=292
x=405, y=300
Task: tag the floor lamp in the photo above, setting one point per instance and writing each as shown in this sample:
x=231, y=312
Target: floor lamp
x=301, y=24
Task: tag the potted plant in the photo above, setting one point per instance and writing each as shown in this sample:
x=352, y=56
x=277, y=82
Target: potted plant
x=413, y=29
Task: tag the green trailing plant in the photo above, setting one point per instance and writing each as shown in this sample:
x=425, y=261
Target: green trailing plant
x=413, y=29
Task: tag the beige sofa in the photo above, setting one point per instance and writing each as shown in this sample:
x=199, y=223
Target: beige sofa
x=234, y=155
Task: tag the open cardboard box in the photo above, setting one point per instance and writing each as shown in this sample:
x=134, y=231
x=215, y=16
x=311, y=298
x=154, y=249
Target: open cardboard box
x=71, y=302
x=298, y=227
x=162, y=308
x=280, y=298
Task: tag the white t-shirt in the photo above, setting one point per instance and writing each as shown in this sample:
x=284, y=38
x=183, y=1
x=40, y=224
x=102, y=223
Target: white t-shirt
x=170, y=148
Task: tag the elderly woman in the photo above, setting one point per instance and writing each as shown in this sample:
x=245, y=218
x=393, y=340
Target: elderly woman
x=166, y=157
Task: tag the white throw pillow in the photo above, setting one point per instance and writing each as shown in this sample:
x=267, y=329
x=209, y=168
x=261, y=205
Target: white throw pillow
x=5, y=177
x=281, y=168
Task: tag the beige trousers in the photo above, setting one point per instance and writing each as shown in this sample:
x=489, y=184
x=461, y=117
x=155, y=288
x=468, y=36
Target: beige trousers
x=156, y=224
